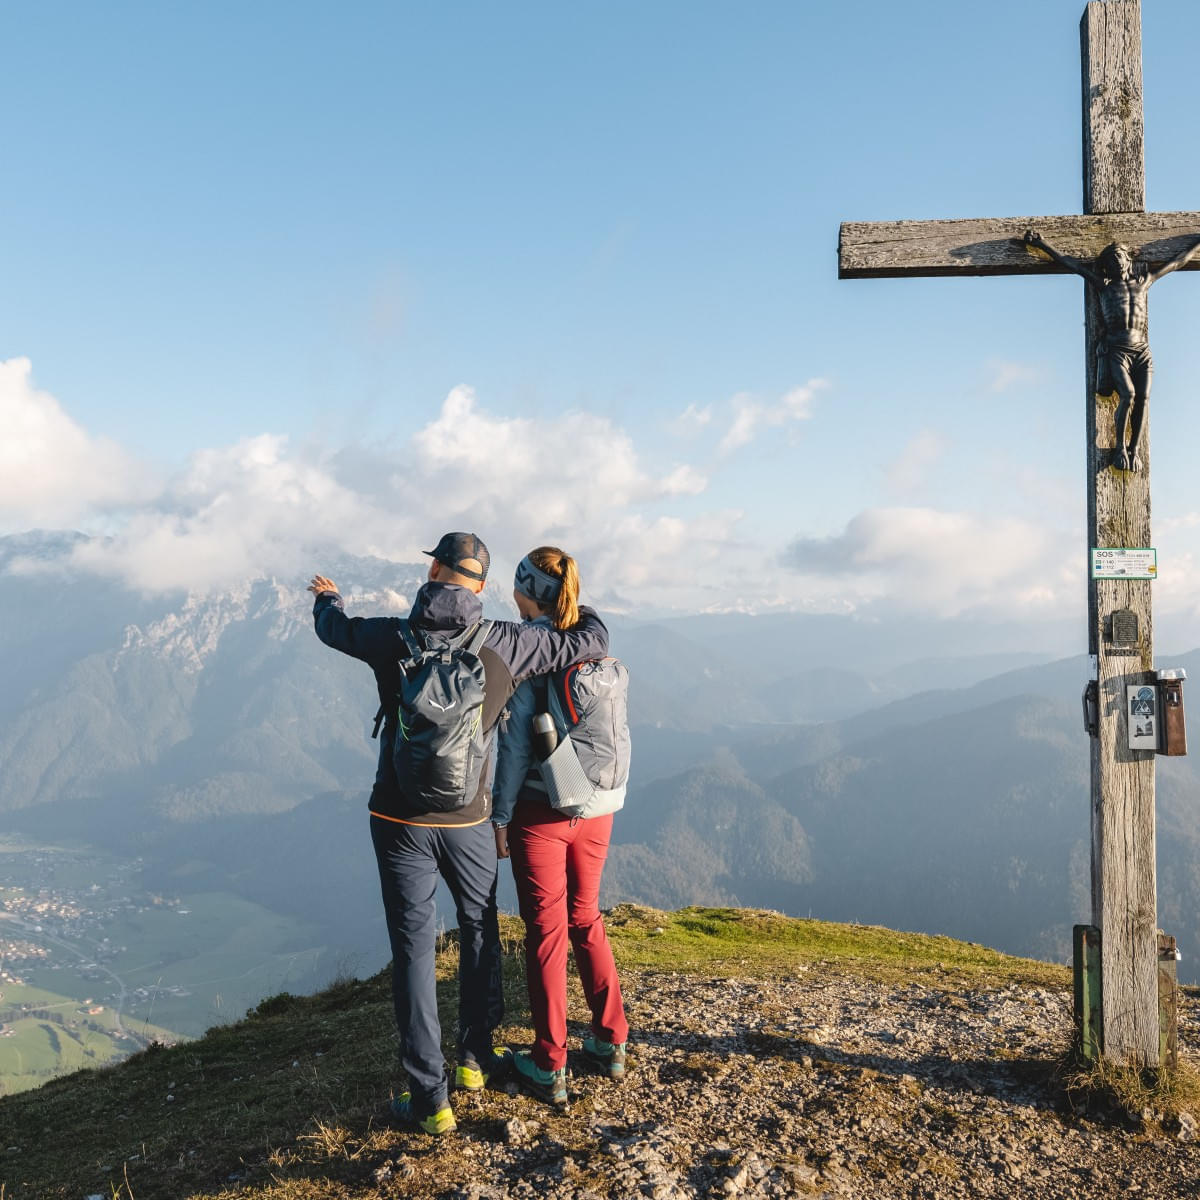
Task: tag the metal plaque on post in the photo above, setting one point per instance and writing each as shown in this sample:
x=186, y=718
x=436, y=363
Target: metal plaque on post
x=1122, y=632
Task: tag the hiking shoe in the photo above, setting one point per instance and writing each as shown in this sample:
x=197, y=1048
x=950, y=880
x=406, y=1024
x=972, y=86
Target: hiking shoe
x=435, y=1124
x=471, y=1077
x=550, y=1086
x=607, y=1057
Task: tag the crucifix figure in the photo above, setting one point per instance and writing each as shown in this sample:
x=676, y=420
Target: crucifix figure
x=1124, y=901
x=1123, y=362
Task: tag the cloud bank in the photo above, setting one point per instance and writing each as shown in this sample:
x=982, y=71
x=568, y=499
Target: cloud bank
x=645, y=527
x=269, y=506
x=947, y=562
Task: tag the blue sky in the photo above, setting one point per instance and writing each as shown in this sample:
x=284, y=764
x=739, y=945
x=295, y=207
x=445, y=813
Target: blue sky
x=252, y=250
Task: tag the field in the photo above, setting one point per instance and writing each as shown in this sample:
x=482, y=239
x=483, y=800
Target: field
x=43, y=1034
x=201, y=962
x=221, y=953
x=79, y=933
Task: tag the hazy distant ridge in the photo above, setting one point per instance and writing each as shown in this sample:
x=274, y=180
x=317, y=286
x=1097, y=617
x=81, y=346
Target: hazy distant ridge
x=775, y=764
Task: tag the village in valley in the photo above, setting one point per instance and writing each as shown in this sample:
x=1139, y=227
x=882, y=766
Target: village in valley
x=95, y=964
x=63, y=914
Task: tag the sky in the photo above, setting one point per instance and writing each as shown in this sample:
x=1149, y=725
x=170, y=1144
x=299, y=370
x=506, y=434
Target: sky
x=280, y=281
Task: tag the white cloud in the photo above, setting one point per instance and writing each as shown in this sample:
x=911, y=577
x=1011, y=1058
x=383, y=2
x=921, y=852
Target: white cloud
x=947, y=562
x=394, y=601
x=1173, y=525
x=52, y=471
x=692, y=420
x=637, y=561
x=556, y=472
x=1006, y=374
x=1177, y=588
x=254, y=508
x=266, y=506
x=750, y=415
x=909, y=470
x=747, y=415
x=575, y=480
x=685, y=480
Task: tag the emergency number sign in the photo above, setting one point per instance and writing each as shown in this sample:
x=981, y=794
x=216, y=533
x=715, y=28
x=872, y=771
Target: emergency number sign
x=1125, y=562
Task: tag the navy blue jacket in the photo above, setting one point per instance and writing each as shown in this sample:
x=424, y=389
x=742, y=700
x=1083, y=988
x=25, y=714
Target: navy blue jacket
x=511, y=653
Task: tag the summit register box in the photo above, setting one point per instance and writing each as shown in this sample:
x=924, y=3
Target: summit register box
x=1154, y=713
x=1172, y=732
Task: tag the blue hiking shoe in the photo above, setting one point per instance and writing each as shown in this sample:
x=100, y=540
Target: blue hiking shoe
x=471, y=1077
x=550, y=1086
x=435, y=1124
x=607, y=1057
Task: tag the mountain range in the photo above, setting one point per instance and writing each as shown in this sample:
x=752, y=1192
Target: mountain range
x=811, y=764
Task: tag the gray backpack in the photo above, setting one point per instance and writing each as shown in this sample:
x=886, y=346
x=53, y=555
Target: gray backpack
x=587, y=774
x=441, y=746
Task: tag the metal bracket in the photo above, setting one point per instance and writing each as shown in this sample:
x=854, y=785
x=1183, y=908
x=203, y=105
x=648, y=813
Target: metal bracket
x=1091, y=708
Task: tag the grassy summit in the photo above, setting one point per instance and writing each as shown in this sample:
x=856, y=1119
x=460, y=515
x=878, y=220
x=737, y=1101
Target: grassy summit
x=286, y=1104
x=739, y=941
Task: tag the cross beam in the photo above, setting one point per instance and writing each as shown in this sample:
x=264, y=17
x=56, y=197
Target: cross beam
x=1118, y=501
x=899, y=249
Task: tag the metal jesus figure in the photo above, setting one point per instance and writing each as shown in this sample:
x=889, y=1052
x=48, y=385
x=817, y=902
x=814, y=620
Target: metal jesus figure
x=1123, y=357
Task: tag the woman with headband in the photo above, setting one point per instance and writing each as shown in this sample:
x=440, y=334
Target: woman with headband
x=557, y=862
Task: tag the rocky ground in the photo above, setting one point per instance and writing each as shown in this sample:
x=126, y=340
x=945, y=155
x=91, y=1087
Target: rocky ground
x=819, y=1084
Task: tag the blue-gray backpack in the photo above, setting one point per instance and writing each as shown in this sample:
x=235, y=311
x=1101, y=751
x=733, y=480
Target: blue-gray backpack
x=441, y=746
x=588, y=772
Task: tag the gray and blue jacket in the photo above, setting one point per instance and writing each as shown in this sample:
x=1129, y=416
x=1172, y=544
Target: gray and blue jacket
x=515, y=760
x=511, y=653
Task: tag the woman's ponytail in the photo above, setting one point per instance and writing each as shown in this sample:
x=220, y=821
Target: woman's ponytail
x=564, y=610
x=566, y=607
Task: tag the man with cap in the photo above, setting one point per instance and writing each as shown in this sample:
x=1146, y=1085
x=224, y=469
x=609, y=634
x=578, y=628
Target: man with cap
x=413, y=847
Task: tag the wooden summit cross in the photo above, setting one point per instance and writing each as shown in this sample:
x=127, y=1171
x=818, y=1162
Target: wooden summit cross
x=1118, y=504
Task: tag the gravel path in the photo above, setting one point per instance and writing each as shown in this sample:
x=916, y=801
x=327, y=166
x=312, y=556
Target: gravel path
x=814, y=1085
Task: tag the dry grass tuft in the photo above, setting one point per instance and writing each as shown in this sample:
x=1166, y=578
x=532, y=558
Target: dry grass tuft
x=330, y=1141
x=1153, y=1097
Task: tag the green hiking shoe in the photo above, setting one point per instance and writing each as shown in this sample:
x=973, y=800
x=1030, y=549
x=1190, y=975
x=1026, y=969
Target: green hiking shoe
x=607, y=1057
x=435, y=1124
x=471, y=1077
x=550, y=1086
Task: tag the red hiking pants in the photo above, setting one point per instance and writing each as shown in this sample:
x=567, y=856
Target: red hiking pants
x=556, y=867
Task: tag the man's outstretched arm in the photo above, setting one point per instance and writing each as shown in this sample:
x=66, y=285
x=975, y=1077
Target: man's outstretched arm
x=1074, y=265
x=1180, y=260
x=370, y=639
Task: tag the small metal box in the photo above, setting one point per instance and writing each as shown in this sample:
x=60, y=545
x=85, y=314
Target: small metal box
x=1172, y=735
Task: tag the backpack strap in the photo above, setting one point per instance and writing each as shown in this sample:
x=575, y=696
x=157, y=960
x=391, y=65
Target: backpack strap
x=473, y=642
x=568, y=700
x=469, y=639
x=411, y=644
x=413, y=651
x=473, y=637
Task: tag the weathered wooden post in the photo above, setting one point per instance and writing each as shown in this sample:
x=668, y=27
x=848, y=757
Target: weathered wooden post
x=1124, y=897
x=1120, y=631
